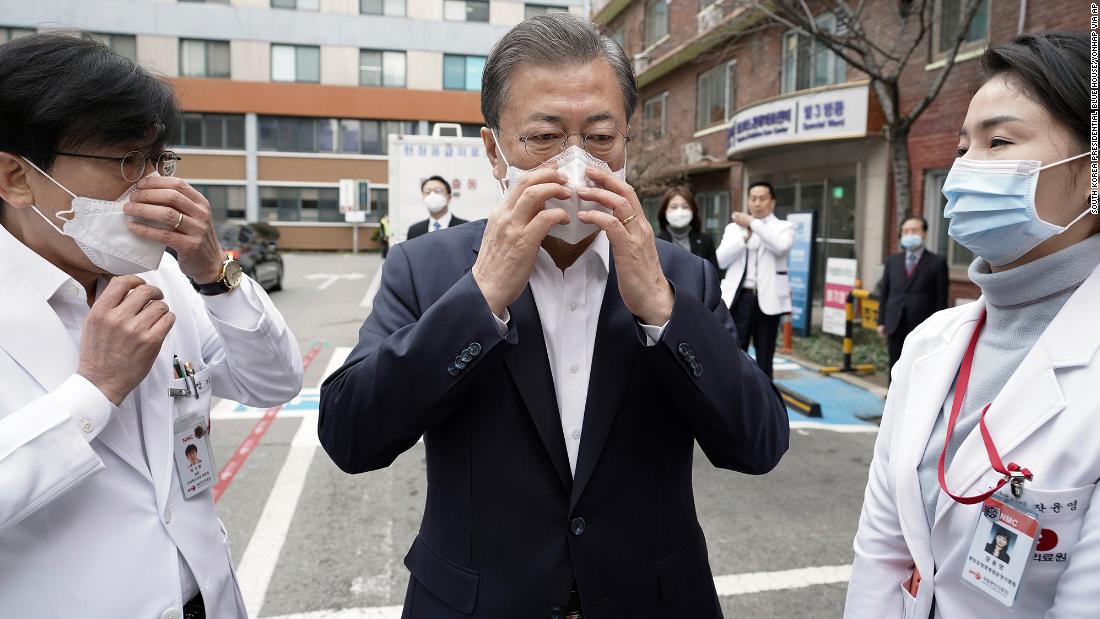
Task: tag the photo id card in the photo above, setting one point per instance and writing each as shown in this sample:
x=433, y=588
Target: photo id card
x=191, y=447
x=1000, y=550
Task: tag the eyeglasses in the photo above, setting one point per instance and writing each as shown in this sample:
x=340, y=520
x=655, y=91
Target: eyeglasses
x=605, y=143
x=132, y=164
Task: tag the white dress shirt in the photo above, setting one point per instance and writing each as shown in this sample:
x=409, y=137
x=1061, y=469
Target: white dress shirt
x=444, y=221
x=569, y=305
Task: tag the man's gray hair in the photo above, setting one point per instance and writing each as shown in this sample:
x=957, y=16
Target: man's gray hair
x=555, y=39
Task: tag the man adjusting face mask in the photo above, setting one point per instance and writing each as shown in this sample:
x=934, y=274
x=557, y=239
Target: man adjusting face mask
x=572, y=162
x=99, y=228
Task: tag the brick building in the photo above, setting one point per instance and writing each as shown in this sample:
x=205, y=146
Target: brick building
x=723, y=92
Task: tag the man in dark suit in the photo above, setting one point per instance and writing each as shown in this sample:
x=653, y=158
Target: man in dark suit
x=913, y=286
x=436, y=194
x=560, y=386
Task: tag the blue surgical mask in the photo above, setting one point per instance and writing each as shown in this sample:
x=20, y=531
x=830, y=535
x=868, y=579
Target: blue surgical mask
x=911, y=241
x=991, y=205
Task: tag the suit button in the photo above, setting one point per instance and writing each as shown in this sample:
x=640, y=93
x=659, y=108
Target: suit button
x=171, y=613
x=697, y=370
x=556, y=613
x=452, y=370
x=167, y=515
x=460, y=364
x=577, y=526
x=466, y=357
x=683, y=348
x=475, y=349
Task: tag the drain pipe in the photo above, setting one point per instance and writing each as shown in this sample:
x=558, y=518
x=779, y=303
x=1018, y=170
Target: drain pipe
x=1023, y=17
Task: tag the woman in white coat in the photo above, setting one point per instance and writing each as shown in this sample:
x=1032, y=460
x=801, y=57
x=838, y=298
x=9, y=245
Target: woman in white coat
x=1020, y=366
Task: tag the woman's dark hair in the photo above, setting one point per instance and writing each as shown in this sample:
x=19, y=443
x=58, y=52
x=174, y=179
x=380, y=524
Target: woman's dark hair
x=436, y=178
x=686, y=194
x=1053, y=70
x=60, y=91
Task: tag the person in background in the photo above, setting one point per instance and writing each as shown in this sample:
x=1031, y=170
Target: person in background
x=1018, y=366
x=913, y=287
x=384, y=235
x=436, y=194
x=107, y=342
x=756, y=286
x=681, y=224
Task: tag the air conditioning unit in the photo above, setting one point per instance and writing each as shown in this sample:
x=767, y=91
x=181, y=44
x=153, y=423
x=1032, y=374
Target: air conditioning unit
x=641, y=63
x=709, y=17
x=692, y=153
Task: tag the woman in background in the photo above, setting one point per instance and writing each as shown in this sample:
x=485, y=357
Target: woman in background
x=681, y=224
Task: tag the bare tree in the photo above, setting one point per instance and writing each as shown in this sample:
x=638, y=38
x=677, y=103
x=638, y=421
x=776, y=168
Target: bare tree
x=652, y=162
x=882, y=52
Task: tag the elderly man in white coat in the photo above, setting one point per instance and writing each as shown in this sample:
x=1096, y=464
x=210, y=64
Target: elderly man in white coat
x=756, y=286
x=108, y=376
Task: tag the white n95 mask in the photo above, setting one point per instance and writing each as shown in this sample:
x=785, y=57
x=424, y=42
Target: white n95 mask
x=572, y=162
x=435, y=202
x=99, y=229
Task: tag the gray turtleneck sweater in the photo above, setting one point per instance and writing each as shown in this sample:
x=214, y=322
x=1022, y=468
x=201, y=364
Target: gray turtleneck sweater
x=1020, y=303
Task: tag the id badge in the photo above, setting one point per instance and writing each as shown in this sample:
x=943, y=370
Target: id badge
x=191, y=447
x=1000, y=549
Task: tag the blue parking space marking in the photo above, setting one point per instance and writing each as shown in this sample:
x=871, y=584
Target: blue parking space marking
x=841, y=403
x=307, y=401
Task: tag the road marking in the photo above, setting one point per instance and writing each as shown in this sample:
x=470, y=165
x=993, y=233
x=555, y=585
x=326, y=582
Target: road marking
x=230, y=469
x=331, y=278
x=372, y=289
x=300, y=406
x=843, y=428
x=262, y=554
x=727, y=586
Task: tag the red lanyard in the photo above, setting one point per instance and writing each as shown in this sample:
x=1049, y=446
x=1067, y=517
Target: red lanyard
x=1013, y=471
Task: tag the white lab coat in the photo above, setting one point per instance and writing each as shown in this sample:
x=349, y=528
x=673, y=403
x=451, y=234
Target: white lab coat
x=1046, y=418
x=773, y=286
x=85, y=529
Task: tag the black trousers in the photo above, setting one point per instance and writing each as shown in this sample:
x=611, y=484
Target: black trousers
x=754, y=324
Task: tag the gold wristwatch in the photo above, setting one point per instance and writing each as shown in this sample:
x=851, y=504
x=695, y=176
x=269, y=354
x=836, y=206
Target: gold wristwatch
x=228, y=280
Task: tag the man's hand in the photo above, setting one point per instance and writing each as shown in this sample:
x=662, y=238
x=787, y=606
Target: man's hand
x=163, y=199
x=513, y=235
x=742, y=219
x=642, y=283
x=122, y=336
x=881, y=330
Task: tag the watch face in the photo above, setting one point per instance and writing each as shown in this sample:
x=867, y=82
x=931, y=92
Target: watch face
x=233, y=273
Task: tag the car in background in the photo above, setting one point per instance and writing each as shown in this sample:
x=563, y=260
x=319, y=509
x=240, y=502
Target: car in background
x=255, y=246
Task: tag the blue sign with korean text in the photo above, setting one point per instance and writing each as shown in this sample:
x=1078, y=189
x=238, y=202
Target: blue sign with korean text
x=800, y=270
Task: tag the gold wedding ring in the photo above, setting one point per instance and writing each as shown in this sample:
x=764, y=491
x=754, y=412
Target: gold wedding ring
x=628, y=219
x=178, y=222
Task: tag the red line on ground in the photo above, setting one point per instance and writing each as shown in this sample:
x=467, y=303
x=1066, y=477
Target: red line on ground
x=237, y=460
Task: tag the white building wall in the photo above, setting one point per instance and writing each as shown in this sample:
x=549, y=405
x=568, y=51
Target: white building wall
x=505, y=12
x=250, y=61
x=345, y=7
x=424, y=70
x=339, y=65
x=424, y=9
x=159, y=54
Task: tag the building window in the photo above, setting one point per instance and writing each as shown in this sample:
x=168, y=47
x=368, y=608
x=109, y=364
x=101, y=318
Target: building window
x=7, y=34
x=655, y=113
x=531, y=10
x=714, y=209
x=226, y=201
x=304, y=5
x=206, y=1
x=293, y=134
x=389, y=8
x=466, y=10
x=204, y=58
x=716, y=95
x=656, y=21
x=379, y=68
x=300, y=204
x=958, y=257
x=807, y=63
x=210, y=131
x=122, y=44
x=950, y=15
x=462, y=72
x=295, y=63
x=469, y=130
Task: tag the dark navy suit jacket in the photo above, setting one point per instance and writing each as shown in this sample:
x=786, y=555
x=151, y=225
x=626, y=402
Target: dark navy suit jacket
x=506, y=528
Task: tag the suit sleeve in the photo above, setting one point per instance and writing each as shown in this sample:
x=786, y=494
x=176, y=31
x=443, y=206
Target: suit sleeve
x=941, y=284
x=404, y=376
x=736, y=414
x=732, y=244
x=884, y=298
x=1078, y=588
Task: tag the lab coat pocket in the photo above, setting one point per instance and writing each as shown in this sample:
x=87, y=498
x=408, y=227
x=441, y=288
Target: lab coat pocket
x=192, y=402
x=908, y=601
x=1061, y=515
x=783, y=286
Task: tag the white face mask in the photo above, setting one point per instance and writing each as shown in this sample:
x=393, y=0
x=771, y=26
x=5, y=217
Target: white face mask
x=572, y=162
x=678, y=218
x=435, y=202
x=99, y=229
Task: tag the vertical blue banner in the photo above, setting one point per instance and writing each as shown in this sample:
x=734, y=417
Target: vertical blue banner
x=800, y=270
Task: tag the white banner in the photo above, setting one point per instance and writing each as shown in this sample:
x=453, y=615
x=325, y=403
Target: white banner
x=824, y=114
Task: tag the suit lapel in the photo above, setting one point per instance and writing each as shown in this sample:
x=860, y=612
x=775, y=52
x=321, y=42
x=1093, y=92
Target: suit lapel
x=530, y=369
x=613, y=362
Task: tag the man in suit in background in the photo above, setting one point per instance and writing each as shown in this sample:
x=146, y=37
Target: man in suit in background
x=560, y=364
x=436, y=194
x=756, y=287
x=913, y=286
